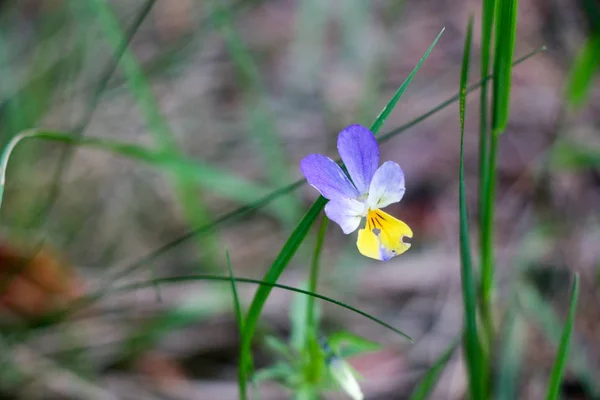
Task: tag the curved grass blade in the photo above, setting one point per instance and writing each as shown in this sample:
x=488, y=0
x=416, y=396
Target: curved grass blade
x=472, y=346
x=238, y=213
x=425, y=387
x=202, y=277
x=216, y=180
x=562, y=354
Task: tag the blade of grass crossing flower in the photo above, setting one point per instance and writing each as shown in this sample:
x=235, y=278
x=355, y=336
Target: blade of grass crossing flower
x=380, y=120
x=238, y=213
x=505, y=36
x=562, y=354
x=217, y=278
x=426, y=385
x=471, y=337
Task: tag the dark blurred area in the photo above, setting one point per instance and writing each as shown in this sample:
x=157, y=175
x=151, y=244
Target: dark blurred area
x=246, y=89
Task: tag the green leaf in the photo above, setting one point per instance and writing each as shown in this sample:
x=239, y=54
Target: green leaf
x=563, y=349
x=347, y=344
x=583, y=71
x=426, y=385
x=472, y=345
x=278, y=347
x=506, y=33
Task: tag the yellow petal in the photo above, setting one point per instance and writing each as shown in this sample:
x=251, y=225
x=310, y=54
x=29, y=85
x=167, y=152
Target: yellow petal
x=382, y=236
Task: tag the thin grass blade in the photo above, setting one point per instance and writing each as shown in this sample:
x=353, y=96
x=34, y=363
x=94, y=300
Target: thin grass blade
x=583, y=72
x=513, y=349
x=237, y=306
x=471, y=336
x=505, y=37
x=430, y=379
x=563, y=349
x=380, y=120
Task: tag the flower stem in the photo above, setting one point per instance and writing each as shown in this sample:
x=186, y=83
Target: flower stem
x=314, y=274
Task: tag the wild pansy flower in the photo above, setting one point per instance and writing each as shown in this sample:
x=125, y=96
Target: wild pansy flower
x=363, y=194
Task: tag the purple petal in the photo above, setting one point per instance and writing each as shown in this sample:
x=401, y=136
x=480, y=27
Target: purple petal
x=327, y=177
x=387, y=186
x=347, y=213
x=360, y=153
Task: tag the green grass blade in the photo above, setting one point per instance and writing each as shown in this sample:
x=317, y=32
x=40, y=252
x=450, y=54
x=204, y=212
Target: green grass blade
x=505, y=36
x=487, y=24
x=314, y=274
x=209, y=178
x=513, y=349
x=262, y=293
x=506, y=33
x=380, y=120
x=548, y=322
x=563, y=348
x=237, y=306
x=471, y=338
x=425, y=387
x=582, y=74
x=238, y=213
x=239, y=315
